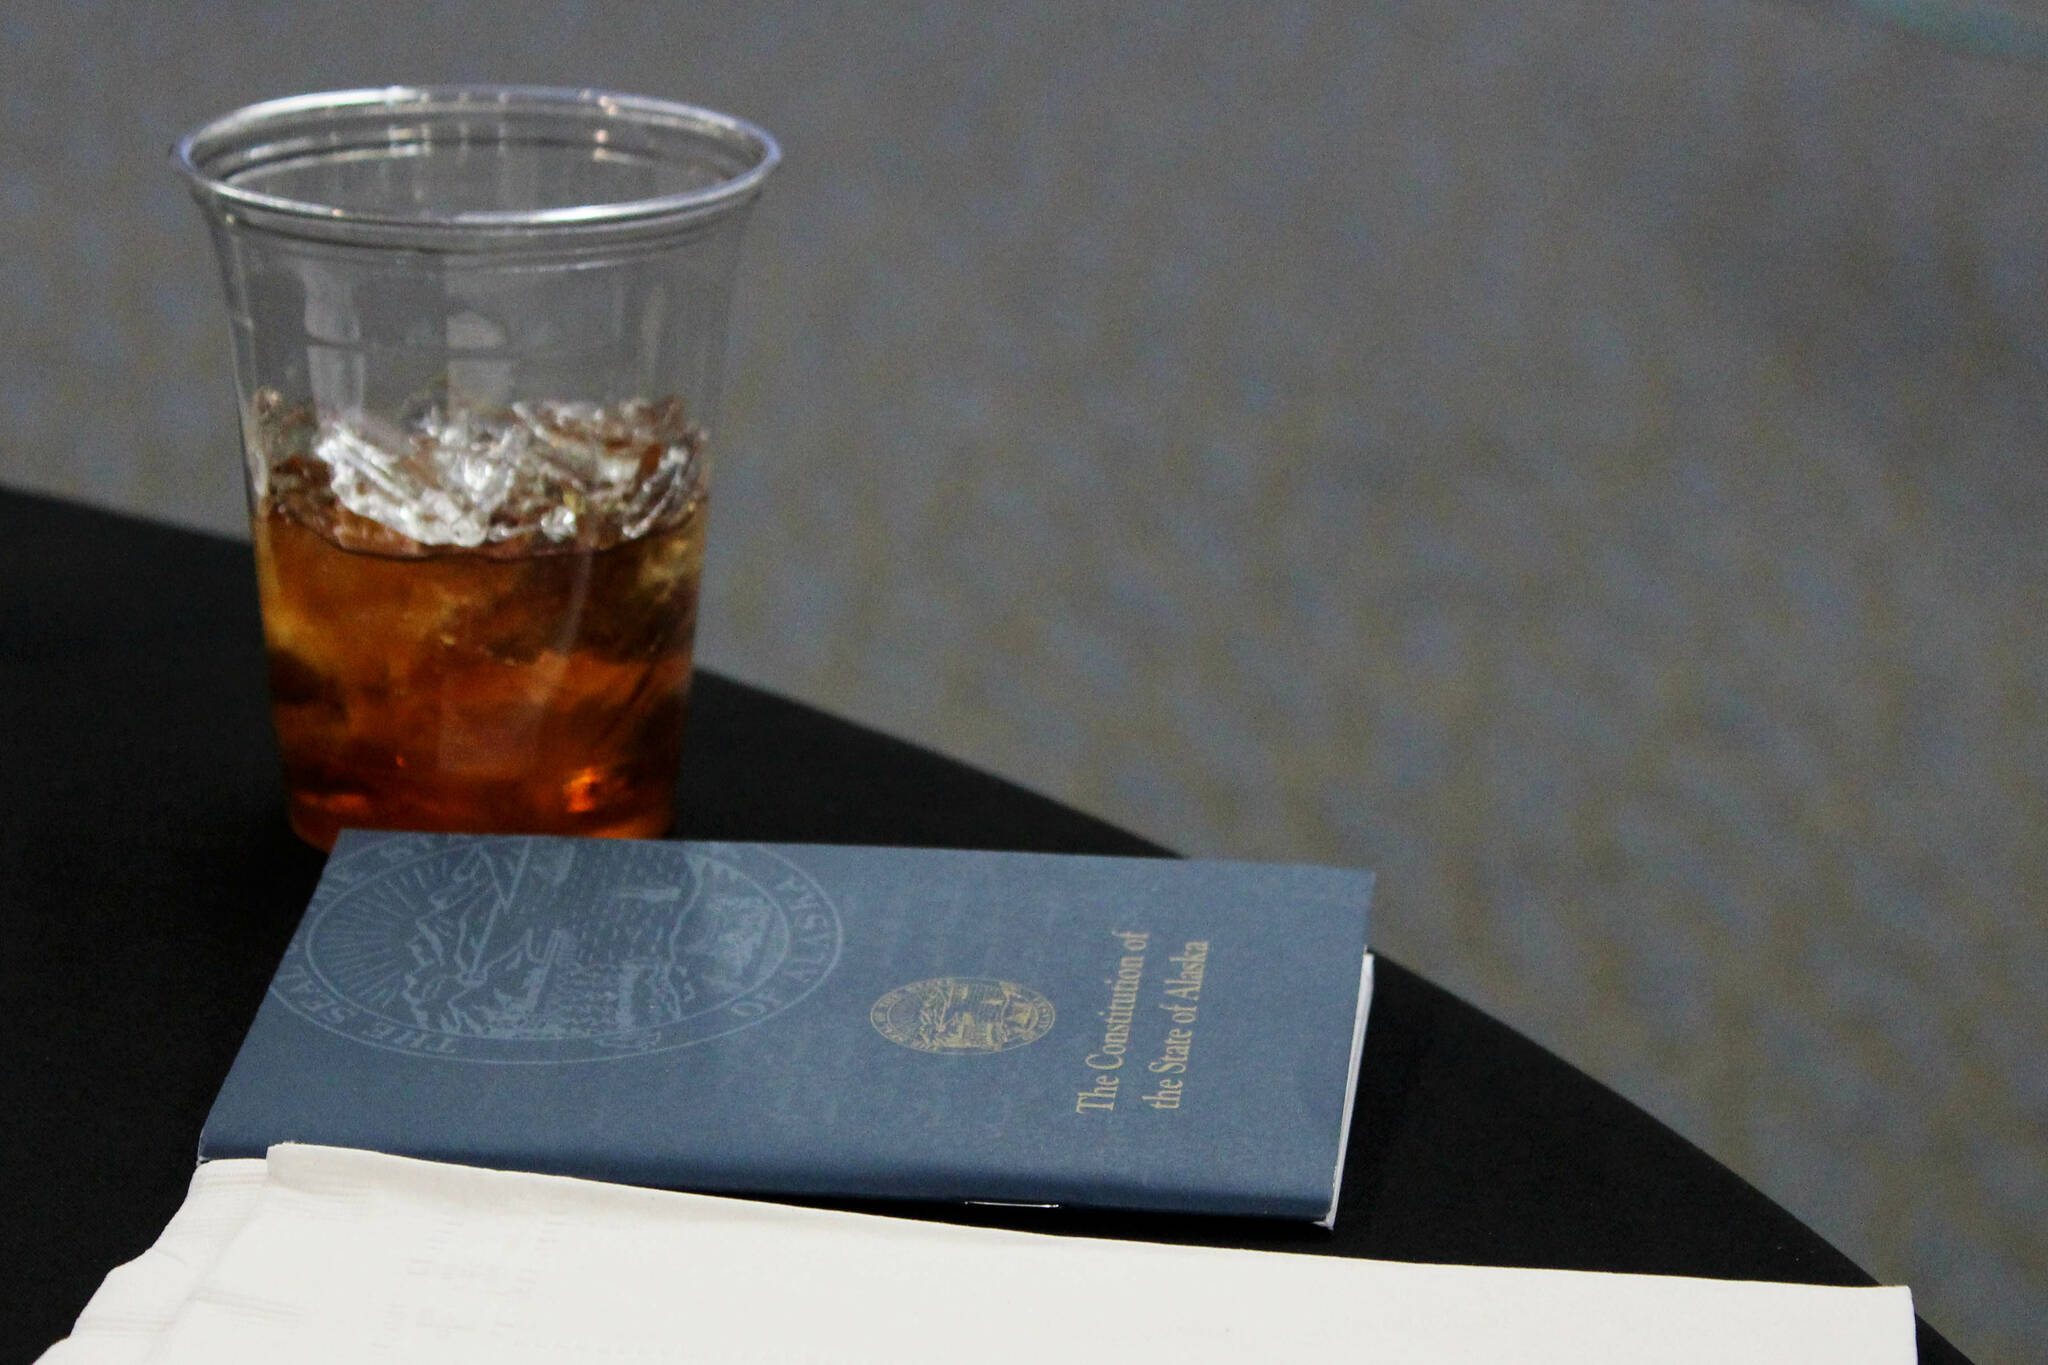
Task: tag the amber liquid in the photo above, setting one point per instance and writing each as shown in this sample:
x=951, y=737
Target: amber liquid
x=467, y=691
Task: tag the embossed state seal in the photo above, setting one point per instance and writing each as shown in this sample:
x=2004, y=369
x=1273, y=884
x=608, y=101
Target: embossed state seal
x=962, y=1014
x=554, y=950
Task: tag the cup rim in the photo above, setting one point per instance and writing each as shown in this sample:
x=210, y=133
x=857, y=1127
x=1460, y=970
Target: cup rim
x=211, y=154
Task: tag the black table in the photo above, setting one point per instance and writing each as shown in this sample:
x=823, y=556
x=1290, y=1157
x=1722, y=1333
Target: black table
x=148, y=885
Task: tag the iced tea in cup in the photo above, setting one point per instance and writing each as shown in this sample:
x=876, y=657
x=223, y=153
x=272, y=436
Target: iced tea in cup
x=477, y=340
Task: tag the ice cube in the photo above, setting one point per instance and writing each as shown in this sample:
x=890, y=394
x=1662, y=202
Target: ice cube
x=379, y=470
x=558, y=523
x=451, y=473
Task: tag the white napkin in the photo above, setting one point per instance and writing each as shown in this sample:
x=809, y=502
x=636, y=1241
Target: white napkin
x=320, y=1254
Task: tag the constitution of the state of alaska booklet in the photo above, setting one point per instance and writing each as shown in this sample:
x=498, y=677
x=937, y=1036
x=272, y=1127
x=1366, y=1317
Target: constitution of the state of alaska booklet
x=813, y=1020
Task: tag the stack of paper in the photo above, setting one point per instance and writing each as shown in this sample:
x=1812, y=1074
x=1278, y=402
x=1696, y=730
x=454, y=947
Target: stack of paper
x=321, y=1254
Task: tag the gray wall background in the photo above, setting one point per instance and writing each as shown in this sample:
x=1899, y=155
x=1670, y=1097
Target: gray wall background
x=1581, y=459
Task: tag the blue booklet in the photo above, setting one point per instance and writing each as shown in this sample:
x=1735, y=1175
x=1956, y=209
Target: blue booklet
x=809, y=1020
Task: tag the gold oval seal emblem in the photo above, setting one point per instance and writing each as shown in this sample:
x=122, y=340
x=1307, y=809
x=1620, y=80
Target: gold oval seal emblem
x=962, y=1014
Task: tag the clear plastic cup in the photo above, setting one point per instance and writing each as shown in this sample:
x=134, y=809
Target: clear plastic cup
x=478, y=334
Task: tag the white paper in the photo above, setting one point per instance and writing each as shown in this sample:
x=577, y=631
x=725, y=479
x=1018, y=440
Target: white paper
x=122, y=1321
x=321, y=1254
x=1329, y=1218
